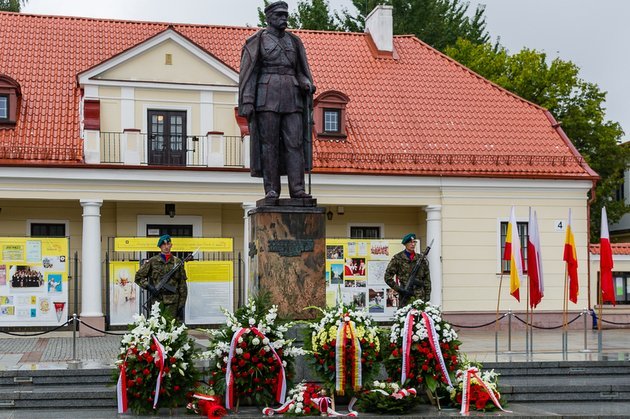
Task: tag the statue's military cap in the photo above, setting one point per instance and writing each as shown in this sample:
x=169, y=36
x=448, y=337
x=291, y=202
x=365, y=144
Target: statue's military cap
x=277, y=6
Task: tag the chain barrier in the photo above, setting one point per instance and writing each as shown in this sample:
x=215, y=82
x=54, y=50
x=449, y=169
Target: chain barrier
x=36, y=333
x=480, y=325
x=549, y=327
x=596, y=319
x=99, y=330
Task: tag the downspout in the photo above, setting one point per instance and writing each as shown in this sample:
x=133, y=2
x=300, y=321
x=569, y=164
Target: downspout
x=588, y=241
x=594, y=176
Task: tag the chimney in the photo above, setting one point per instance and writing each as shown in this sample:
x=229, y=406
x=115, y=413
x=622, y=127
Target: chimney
x=380, y=25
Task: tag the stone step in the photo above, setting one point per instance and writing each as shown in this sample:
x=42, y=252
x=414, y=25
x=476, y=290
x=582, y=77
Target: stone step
x=55, y=377
x=52, y=396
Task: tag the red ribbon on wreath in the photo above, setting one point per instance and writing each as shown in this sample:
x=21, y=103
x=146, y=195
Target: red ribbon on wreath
x=468, y=374
x=230, y=392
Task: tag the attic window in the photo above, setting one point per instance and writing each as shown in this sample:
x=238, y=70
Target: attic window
x=9, y=95
x=4, y=107
x=330, y=115
x=332, y=122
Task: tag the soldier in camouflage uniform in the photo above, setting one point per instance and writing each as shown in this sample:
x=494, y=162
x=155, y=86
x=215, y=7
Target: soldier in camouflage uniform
x=152, y=271
x=401, y=265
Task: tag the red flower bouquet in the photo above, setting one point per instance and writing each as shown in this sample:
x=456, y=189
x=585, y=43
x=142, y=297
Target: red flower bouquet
x=250, y=360
x=157, y=348
x=423, y=348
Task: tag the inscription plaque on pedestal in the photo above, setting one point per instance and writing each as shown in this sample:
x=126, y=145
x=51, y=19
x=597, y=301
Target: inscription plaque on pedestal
x=287, y=257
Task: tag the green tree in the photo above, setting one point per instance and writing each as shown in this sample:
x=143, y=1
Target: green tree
x=575, y=103
x=12, y=5
x=439, y=23
x=311, y=14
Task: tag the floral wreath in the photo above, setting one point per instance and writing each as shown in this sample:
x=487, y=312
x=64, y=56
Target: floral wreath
x=423, y=348
x=475, y=389
x=249, y=357
x=345, y=348
x=305, y=399
x=385, y=397
x=155, y=363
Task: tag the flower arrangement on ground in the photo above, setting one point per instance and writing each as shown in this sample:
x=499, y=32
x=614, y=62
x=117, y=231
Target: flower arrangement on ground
x=386, y=397
x=474, y=389
x=205, y=403
x=305, y=399
x=345, y=348
x=250, y=359
x=423, y=348
x=155, y=363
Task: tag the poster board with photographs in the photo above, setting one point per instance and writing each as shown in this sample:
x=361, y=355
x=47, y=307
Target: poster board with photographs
x=355, y=270
x=33, y=281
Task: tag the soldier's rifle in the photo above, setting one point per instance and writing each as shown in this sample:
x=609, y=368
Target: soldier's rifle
x=414, y=277
x=163, y=285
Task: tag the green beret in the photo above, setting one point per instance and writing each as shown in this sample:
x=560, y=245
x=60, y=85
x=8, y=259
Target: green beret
x=164, y=239
x=409, y=237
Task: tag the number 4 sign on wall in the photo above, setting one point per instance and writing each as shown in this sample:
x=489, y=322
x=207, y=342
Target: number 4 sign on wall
x=559, y=225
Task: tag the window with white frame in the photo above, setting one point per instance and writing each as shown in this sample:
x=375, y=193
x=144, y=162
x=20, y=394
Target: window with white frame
x=523, y=236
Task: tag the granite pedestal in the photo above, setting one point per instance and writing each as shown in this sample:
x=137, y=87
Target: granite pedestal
x=287, y=257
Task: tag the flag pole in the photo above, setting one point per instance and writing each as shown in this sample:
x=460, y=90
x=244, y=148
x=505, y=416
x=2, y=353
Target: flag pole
x=496, y=322
x=600, y=297
x=527, y=319
x=565, y=304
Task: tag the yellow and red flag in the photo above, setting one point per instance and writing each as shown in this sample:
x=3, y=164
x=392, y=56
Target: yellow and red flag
x=606, y=262
x=513, y=254
x=570, y=257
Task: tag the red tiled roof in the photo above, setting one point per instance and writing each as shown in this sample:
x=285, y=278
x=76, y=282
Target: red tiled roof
x=422, y=113
x=617, y=248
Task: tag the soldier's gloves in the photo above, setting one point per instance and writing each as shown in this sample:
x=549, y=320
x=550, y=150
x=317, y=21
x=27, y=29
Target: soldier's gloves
x=152, y=290
x=404, y=293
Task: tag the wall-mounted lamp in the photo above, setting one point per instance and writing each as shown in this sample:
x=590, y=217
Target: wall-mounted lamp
x=169, y=209
x=340, y=210
x=329, y=215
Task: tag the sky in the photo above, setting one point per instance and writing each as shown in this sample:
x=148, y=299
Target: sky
x=591, y=33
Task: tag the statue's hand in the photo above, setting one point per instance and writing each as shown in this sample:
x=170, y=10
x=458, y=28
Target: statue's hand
x=308, y=87
x=247, y=110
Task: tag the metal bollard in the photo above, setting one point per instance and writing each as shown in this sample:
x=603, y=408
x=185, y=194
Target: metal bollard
x=510, y=331
x=585, y=315
x=74, y=363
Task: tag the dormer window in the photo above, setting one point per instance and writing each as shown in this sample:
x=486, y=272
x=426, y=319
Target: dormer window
x=332, y=122
x=330, y=115
x=4, y=107
x=9, y=94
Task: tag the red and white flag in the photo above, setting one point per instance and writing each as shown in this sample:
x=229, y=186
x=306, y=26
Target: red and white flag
x=159, y=361
x=534, y=262
x=513, y=254
x=606, y=262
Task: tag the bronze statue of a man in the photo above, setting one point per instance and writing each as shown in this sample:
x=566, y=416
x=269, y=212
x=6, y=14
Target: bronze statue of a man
x=274, y=84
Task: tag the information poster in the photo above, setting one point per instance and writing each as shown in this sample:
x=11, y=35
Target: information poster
x=33, y=281
x=209, y=290
x=123, y=292
x=355, y=272
x=210, y=283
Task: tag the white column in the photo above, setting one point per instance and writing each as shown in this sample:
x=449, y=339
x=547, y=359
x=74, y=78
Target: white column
x=247, y=206
x=434, y=232
x=91, y=290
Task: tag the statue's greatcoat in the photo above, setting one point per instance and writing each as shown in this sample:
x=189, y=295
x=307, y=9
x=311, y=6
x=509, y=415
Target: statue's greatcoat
x=249, y=78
